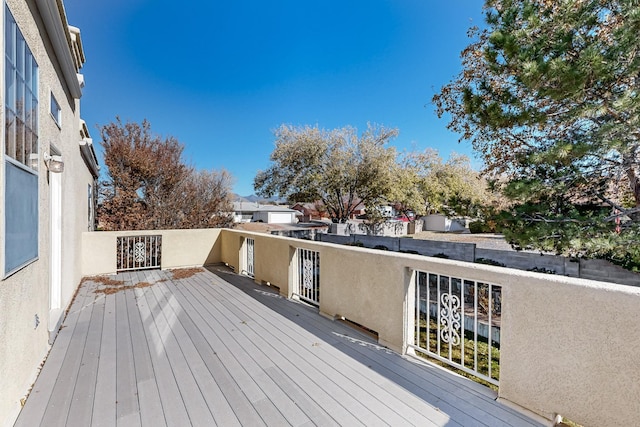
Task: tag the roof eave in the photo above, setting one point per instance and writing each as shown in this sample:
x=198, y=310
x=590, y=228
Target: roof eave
x=55, y=21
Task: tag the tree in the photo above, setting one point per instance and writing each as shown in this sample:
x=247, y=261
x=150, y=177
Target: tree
x=450, y=187
x=149, y=186
x=208, y=193
x=549, y=97
x=337, y=167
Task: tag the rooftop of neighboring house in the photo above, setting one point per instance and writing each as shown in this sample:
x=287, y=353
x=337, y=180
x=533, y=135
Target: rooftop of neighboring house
x=257, y=207
x=245, y=206
x=273, y=208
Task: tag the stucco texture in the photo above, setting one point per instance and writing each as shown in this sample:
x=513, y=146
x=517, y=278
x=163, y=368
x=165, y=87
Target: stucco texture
x=568, y=346
x=572, y=350
x=26, y=293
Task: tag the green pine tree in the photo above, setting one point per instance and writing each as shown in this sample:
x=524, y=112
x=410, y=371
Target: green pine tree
x=549, y=96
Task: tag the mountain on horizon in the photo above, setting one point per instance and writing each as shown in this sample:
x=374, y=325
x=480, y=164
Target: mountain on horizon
x=253, y=198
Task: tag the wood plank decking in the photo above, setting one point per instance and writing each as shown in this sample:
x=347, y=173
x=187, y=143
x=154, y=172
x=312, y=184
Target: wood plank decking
x=216, y=349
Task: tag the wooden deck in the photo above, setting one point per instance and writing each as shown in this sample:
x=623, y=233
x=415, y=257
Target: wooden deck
x=216, y=349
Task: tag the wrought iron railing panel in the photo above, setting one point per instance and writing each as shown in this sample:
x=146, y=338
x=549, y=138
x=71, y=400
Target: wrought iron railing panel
x=457, y=321
x=250, y=243
x=308, y=276
x=138, y=252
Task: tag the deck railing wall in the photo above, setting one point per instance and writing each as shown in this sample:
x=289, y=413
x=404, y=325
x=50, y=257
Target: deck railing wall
x=563, y=341
x=567, y=346
x=180, y=248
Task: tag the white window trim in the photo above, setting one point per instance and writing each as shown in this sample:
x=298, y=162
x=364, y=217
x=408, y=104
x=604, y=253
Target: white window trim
x=58, y=119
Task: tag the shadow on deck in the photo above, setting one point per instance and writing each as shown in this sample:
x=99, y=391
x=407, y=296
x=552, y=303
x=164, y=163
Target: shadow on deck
x=214, y=348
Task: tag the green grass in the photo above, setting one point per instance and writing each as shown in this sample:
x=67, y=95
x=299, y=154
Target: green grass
x=456, y=352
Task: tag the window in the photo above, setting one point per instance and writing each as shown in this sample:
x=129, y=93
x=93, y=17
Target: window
x=56, y=113
x=21, y=150
x=21, y=97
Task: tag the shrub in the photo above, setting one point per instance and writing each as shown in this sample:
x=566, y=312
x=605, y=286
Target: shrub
x=488, y=261
x=441, y=255
x=481, y=226
x=476, y=227
x=542, y=270
x=411, y=252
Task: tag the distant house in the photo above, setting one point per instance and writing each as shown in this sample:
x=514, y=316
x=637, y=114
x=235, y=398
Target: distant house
x=49, y=168
x=275, y=215
x=315, y=210
x=255, y=212
x=386, y=211
x=309, y=211
x=358, y=211
x=243, y=211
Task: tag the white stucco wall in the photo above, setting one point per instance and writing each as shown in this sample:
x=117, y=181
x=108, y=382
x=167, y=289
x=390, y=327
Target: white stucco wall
x=436, y=222
x=180, y=248
x=26, y=294
x=568, y=346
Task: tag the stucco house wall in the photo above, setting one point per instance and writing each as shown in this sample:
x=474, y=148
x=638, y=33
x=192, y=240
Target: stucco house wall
x=243, y=211
x=275, y=215
x=439, y=222
x=28, y=314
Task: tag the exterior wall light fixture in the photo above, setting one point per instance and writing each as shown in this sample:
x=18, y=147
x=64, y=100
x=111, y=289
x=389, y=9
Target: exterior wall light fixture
x=54, y=163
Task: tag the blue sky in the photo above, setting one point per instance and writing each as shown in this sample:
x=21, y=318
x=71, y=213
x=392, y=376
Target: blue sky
x=221, y=76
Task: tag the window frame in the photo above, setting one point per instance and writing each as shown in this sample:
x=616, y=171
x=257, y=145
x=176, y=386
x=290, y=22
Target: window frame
x=20, y=153
x=56, y=113
x=21, y=100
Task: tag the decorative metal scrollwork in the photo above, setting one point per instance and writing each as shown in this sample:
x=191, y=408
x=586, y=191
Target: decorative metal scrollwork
x=307, y=273
x=250, y=254
x=450, y=319
x=139, y=252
